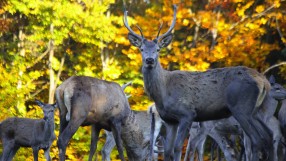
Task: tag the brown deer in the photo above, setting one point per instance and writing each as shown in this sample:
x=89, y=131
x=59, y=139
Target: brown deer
x=18, y=132
x=182, y=97
x=89, y=101
x=94, y=102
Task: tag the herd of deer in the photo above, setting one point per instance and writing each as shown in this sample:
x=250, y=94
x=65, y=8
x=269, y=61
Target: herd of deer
x=223, y=102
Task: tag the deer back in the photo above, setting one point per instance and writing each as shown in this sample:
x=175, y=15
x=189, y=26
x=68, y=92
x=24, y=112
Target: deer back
x=195, y=89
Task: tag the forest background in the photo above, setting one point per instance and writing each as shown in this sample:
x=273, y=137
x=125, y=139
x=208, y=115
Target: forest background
x=42, y=43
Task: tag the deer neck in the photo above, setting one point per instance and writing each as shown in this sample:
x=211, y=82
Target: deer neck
x=132, y=136
x=49, y=127
x=154, y=81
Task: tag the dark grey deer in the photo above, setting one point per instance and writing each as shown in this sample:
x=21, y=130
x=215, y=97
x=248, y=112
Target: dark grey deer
x=182, y=97
x=231, y=126
x=94, y=102
x=18, y=132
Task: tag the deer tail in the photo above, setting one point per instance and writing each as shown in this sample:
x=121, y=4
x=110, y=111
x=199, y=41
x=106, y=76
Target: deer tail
x=67, y=101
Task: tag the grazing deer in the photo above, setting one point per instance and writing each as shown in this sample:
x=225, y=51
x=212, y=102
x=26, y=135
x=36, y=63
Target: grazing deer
x=182, y=97
x=18, y=132
x=94, y=102
x=143, y=119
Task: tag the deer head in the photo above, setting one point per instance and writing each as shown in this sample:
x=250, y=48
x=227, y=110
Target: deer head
x=48, y=109
x=150, y=48
x=277, y=91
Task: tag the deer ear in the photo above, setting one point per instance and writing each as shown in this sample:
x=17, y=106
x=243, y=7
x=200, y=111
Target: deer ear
x=41, y=104
x=165, y=41
x=55, y=105
x=272, y=80
x=135, y=40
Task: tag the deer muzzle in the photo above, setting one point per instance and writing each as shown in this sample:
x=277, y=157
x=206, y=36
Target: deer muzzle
x=150, y=61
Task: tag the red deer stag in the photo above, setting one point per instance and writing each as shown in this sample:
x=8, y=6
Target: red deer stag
x=94, y=102
x=182, y=97
x=18, y=132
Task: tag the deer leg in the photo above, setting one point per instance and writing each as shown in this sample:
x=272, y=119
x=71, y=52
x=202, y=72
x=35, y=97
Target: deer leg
x=13, y=152
x=194, y=142
x=266, y=149
x=223, y=145
x=183, y=128
x=47, y=154
x=77, y=118
x=241, y=98
x=35, y=153
x=8, y=147
x=108, y=146
x=200, y=148
x=242, y=154
x=218, y=153
x=256, y=140
x=116, y=130
x=247, y=147
x=171, y=131
x=188, y=150
x=93, y=144
x=67, y=134
x=274, y=125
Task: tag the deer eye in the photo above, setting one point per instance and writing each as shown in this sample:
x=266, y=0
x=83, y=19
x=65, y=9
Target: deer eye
x=141, y=49
x=158, y=50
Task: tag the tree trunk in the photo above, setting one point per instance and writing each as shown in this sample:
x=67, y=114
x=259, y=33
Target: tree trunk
x=52, y=73
x=22, y=53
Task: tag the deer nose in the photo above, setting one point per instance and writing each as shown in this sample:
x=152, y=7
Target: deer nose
x=149, y=61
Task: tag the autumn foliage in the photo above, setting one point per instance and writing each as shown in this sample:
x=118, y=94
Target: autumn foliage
x=42, y=43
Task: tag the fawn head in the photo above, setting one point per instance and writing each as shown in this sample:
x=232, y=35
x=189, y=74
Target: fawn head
x=277, y=91
x=48, y=109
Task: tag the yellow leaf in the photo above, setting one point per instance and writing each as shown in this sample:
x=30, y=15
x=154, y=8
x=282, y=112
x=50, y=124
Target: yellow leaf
x=283, y=40
x=259, y=8
x=186, y=22
x=263, y=20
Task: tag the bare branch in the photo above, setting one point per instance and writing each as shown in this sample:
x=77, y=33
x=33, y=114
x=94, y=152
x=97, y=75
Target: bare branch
x=278, y=29
x=60, y=70
x=40, y=57
x=253, y=18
